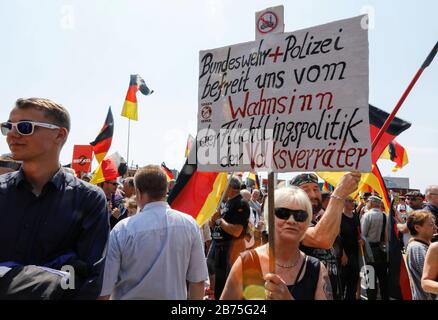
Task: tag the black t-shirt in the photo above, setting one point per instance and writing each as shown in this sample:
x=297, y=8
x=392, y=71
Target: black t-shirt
x=236, y=211
x=328, y=258
x=350, y=234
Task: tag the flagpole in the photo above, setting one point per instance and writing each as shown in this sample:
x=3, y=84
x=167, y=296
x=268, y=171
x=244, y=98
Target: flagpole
x=367, y=280
x=230, y=175
x=127, y=153
x=425, y=64
x=271, y=222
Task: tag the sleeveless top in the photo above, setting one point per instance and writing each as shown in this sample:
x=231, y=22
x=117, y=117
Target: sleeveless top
x=303, y=289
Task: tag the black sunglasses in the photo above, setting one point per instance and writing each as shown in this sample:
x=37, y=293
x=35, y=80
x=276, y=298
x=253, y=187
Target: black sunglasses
x=285, y=213
x=113, y=183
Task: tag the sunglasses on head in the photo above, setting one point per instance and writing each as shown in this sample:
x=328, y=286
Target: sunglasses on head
x=25, y=128
x=285, y=213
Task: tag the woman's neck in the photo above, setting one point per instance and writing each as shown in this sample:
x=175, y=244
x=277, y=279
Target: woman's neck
x=287, y=255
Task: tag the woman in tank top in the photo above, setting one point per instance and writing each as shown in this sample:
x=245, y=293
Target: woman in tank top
x=297, y=276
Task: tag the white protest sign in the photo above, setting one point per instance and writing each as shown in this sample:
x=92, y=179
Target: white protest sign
x=288, y=102
x=269, y=21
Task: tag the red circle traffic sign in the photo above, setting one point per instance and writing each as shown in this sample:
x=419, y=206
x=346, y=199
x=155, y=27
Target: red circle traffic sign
x=267, y=22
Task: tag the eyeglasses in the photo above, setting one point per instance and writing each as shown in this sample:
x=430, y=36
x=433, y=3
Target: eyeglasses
x=113, y=183
x=25, y=128
x=414, y=198
x=285, y=213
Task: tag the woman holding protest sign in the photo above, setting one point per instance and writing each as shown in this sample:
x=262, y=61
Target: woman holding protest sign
x=297, y=276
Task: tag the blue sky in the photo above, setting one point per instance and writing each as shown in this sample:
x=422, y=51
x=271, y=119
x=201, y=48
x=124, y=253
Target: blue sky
x=81, y=53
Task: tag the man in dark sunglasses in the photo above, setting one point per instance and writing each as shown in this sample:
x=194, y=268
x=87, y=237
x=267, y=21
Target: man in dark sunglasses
x=320, y=236
x=114, y=198
x=52, y=219
x=414, y=199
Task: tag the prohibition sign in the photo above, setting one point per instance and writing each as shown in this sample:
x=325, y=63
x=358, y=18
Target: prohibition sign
x=267, y=22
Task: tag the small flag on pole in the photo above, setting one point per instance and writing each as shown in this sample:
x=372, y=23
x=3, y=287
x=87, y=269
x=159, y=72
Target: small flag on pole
x=254, y=177
x=169, y=174
x=377, y=119
x=109, y=169
x=189, y=145
x=130, y=106
x=197, y=193
x=102, y=143
x=396, y=153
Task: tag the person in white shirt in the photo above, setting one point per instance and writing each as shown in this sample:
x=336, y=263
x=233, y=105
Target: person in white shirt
x=155, y=253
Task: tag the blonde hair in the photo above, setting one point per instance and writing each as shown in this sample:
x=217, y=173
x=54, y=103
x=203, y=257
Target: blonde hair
x=288, y=197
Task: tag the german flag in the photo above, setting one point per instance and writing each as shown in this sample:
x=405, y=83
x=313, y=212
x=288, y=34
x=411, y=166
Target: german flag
x=377, y=119
x=190, y=142
x=169, y=174
x=398, y=278
x=396, y=153
x=254, y=177
x=368, y=180
x=109, y=169
x=130, y=106
x=375, y=181
x=102, y=143
x=197, y=193
x=325, y=187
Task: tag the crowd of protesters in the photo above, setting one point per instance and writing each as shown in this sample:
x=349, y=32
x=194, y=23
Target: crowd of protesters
x=125, y=242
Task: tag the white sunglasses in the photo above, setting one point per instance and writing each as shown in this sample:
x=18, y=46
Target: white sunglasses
x=25, y=128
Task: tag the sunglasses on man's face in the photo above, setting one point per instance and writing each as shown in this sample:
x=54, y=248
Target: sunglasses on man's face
x=113, y=183
x=25, y=128
x=285, y=213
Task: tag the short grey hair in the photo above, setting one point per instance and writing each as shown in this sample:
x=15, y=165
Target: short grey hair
x=245, y=194
x=430, y=189
x=288, y=197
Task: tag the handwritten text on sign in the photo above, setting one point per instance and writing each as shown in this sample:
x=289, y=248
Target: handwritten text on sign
x=289, y=102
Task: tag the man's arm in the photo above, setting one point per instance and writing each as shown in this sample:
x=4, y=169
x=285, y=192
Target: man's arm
x=324, y=234
x=196, y=290
x=112, y=265
x=92, y=243
x=323, y=288
x=197, y=272
x=234, y=229
x=402, y=227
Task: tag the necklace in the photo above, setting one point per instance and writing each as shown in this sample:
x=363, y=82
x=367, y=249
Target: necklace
x=288, y=266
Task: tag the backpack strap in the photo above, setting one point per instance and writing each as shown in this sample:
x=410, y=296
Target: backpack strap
x=382, y=235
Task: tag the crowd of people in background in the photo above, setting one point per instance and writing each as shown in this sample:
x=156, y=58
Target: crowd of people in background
x=322, y=239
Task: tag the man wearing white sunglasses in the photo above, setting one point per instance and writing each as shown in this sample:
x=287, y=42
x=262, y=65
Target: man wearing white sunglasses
x=49, y=218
